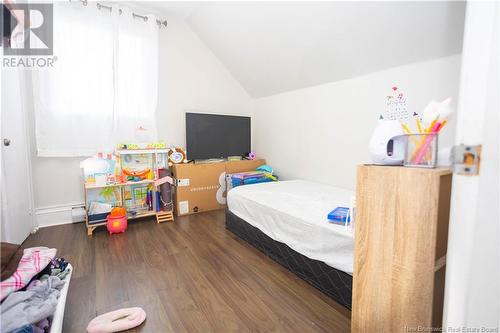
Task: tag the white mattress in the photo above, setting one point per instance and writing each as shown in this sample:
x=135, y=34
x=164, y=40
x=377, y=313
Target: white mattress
x=295, y=212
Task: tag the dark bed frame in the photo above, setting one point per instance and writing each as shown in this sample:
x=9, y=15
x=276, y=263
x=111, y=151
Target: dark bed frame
x=334, y=283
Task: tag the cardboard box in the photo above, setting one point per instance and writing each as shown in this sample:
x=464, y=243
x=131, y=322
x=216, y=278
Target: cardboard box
x=202, y=187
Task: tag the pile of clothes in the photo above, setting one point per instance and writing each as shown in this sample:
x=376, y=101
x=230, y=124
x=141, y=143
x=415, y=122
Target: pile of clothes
x=29, y=296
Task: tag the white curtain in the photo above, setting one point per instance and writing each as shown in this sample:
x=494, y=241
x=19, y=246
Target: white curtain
x=136, y=76
x=103, y=85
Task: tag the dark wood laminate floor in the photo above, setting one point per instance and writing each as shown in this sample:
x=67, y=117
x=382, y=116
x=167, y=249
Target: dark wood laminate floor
x=189, y=276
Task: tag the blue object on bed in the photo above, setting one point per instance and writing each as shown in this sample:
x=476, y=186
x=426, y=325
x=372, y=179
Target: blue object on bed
x=339, y=215
x=254, y=180
x=265, y=168
x=257, y=180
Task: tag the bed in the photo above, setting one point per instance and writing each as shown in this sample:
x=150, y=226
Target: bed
x=287, y=221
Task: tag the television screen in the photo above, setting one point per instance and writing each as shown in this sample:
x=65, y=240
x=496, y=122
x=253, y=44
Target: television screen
x=216, y=136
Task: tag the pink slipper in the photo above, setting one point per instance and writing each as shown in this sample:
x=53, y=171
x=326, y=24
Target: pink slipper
x=116, y=321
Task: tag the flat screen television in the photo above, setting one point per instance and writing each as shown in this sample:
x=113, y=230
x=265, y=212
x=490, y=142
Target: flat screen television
x=216, y=136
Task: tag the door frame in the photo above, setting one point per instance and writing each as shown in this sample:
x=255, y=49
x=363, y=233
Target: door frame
x=468, y=255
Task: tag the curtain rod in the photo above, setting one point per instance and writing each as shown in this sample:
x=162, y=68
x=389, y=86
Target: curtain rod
x=134, y=15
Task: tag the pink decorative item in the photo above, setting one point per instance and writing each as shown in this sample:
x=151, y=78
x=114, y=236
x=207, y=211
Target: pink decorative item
x=116, y=224
x=252, y=155
x=116, y=321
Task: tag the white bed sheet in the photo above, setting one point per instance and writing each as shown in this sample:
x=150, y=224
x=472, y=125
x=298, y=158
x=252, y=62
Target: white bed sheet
x=295, y=212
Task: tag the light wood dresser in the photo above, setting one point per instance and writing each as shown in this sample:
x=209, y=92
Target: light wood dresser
x=401, y=233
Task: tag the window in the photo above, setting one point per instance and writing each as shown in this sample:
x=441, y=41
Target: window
x=103, y=85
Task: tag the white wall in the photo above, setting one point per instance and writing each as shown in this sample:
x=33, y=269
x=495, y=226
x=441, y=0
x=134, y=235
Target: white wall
x=191, y=78
x=321, y=133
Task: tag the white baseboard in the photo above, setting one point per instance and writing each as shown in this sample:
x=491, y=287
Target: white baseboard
x=58, y=214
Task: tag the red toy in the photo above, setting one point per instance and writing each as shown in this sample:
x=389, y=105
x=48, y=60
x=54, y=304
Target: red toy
x=117, y=220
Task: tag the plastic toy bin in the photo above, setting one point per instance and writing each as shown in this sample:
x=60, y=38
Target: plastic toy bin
x=117, y=224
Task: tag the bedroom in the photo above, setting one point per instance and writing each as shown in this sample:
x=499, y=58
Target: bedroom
x=186, y=159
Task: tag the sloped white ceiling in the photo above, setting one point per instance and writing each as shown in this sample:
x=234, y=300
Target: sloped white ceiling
x=273, y=47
